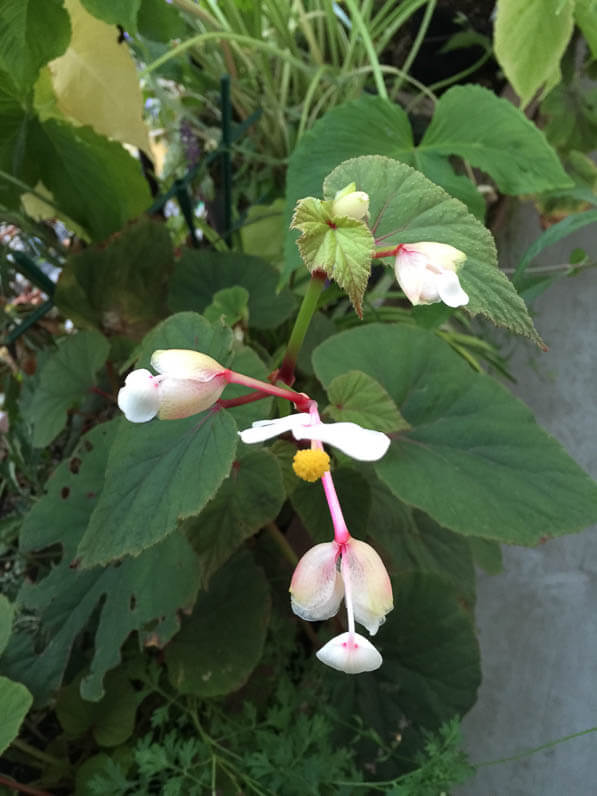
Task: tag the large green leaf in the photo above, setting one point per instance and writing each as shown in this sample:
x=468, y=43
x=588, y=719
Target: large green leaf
x=17, y=125
x=475, y=460
x=15, y=701
x=143, y=594
x=165, y=471
x=94, y=181
x=199, y=275
x=585, y=14
x=31, y=34
x=6, y=615
x=221, y=643
x=357, y=398
x=405, y=207
x=119, y=287
x=251, y=497
x=64, y=379
x=159, y=21
x=115, y=12
x=472, y=122
x=530, y=39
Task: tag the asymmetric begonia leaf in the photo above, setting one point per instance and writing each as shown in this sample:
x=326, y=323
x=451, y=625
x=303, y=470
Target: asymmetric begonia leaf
x=218, y=647
x=96, y=81
x=474, y=460
x=248, y=499
x=405, y=207
x=357, y=398
x=143, y=594
x=530, y=39
x=64, y=379
x=199, y=274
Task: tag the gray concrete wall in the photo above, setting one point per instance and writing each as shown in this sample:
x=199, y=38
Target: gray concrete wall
x=537, y=620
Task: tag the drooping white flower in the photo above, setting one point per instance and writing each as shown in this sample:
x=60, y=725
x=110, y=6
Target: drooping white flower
x=188, y=382
x=360, y=443
x=427, y=273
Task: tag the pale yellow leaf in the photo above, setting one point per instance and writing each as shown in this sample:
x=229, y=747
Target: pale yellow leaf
x=96, y=81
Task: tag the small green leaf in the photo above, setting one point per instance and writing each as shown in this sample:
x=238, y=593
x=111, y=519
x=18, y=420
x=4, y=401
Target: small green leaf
x=530, y=39
x=31, y=34
x=357, y=398
x=405, y=207
x=342, y=247
x=6, y=616
x=474, y=460
x=263, y=231
x=221, y=643
x=250, y=498
x=15, y=701
x=198, y=275
x=64, y=379
x=229, y=305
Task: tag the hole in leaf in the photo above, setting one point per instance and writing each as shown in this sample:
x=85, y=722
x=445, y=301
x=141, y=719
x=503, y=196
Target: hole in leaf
x=74, y=465
x=64, y=492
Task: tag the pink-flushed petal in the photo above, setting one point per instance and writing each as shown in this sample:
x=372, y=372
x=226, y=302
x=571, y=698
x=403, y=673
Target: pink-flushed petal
x=450, y=291
x=316, y=588
x=182, y=363
x=350, y=653
x=267, y=429
x=185, y=397
x=360, y=443
x=370, y=583
x=139, y=398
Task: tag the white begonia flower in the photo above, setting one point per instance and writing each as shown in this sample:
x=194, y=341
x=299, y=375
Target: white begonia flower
x=426, y=272
x=360, y=443
x=350, y=653
x=352, y=203
x=188, y=382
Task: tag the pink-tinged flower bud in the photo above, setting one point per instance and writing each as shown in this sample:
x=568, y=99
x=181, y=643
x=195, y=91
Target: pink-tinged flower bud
x=426, y=272
x=316, y=588
x=350, y=653
x=351, y=203
x=188, y=382
x=371, y=589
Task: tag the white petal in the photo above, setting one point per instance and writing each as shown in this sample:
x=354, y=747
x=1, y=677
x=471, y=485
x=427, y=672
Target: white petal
x=266, y=429
x=441, y=255
x=139, y=398
x=182, y=363
x=410, y=273
x=450, y=292
x=370, y=585
x=350, y=653
x=361, y=443
x=185, y=397
x=316, y=588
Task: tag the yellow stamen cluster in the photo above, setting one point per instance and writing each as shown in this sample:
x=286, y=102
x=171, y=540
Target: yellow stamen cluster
x=311, y=464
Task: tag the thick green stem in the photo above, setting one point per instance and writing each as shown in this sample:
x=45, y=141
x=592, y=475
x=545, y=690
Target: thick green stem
x=303, y=319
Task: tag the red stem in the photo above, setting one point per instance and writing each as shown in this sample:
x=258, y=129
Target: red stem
x=226, y=403
x=22, y=788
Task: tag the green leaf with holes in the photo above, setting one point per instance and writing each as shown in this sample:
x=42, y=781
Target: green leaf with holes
x=64, y=380
x=221, y=643
x=474, y=459
x=357, y=398
x=131, y=596
x=405, y=207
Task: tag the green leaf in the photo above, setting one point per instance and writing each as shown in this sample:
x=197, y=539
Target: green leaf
x=530, y=39
x=263, y=231
x=115, y=12
x=487, y=555
x=439, y=170
x=31, y=34
x=311, y=505
x=230, y=305
x=585, y=15
x=96, y=81
x=15, y=701
x=160, y=21
x=250, y=498
x=6, y=616
x=245, y=360
x=17, y=125
x=198, y=275
x=492, y=126
x=571, y=111
x=221, y=643
x=409, y=540
x=357, y=398
x=119, y=287
x=152, y=465
x=125, y=597
x=111, y=720
x=64, y=379
x=94, y=181
x=342, y=247
x=405, y=207
x=475, y=460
